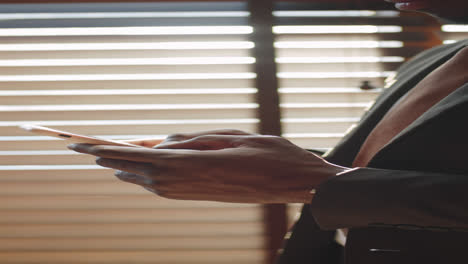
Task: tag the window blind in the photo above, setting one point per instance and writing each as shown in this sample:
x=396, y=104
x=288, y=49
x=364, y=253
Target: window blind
x=149, y=69
x=332, y=64
x=453, y=32
x=119, y=71
x=322, y=67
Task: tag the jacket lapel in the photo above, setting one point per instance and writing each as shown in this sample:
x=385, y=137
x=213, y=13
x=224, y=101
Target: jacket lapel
x=457, y=97
x=344, y=153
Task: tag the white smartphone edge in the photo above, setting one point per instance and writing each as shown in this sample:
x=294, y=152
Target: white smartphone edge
x=72, y=137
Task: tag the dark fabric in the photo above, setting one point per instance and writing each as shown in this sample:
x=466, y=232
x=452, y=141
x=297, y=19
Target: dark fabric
x=411, y=204
x=399, y=246
x=307, y=242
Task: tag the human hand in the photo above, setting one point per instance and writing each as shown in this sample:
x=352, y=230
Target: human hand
x=226, y=168
x=159, y=143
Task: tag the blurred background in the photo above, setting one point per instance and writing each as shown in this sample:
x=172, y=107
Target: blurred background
x=120, y=69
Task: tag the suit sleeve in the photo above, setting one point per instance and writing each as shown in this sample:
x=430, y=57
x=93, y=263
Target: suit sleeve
x=366, y=196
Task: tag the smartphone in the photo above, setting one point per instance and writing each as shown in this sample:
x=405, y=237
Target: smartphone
x=74, y=138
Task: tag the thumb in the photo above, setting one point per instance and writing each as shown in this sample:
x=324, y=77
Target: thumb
x=208, y=142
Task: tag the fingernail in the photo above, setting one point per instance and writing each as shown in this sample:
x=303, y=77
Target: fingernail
x=149, y=189
x=99, y=161
x=72, y=146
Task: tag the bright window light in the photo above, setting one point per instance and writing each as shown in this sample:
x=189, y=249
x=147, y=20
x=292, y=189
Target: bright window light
x=336, y=13
x=335, y=29
x=130, y=31
x=29, y=16
x=35, y=152
x=455, y=28
x=130, y=122
x=320, y=120
x=125, y=107
x=128, y=62
x=339, y=59
x=325, y=90
x=115, y=77
x=449, y=41
x=128, y=92
x=325, y=75
x=324, y=105
x=50, y=167
x=337, y=44
x=222, y=45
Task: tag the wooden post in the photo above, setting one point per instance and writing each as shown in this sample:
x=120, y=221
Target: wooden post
x=261, y=18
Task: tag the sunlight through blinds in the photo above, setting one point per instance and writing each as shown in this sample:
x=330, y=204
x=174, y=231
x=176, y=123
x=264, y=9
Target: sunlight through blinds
x=119, y=71
x=454, y=32
x=332, y=65
x=324, y=57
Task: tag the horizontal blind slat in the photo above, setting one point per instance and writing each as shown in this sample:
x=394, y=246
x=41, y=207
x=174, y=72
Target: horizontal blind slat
x=124, y=84
x=115, y=54
x=130, y=216
x=92, y=202
x=128, y=244
x=124, y=69
x=218, y=256
x=208, y=113
x=121, y=40
x=127, y=99
x=325, y=97
x=110, y=230
x=43, y=157
x=330, y=82
x=317, y=111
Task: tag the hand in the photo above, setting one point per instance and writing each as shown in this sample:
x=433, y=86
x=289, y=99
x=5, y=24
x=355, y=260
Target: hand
x=226, y=168
x=154, y=142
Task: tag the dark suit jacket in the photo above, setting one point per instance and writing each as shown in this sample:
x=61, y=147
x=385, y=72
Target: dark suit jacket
x=410, y=205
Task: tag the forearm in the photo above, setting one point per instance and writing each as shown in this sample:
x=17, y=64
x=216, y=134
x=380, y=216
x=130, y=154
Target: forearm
x=367, y=196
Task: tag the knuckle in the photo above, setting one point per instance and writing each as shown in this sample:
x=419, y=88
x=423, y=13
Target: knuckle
x=274, y=138
x=150, y=182
x=95, y=150
x=104, y=162
x=101, y=151
x=234, y=132
x=265, y=138
x=165, y=193
x=122, y=176
x=268, y=140
x=168, y=195
x=150, y=189
x=202, y=137
x=159, y=191
x=148, y=172
x=176, y=137
x=99, y=161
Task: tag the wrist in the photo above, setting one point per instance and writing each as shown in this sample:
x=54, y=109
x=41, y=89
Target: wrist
x=333, y=171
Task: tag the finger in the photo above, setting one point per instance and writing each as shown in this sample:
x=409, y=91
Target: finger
x=140, y=168
x=161, y=188
x=146, y=155
x=134, y=178
x=114, y=152
x=206, y=142
x=145, y=142
x=186, y=136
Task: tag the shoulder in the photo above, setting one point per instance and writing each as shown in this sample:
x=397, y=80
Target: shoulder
x=432, y=54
